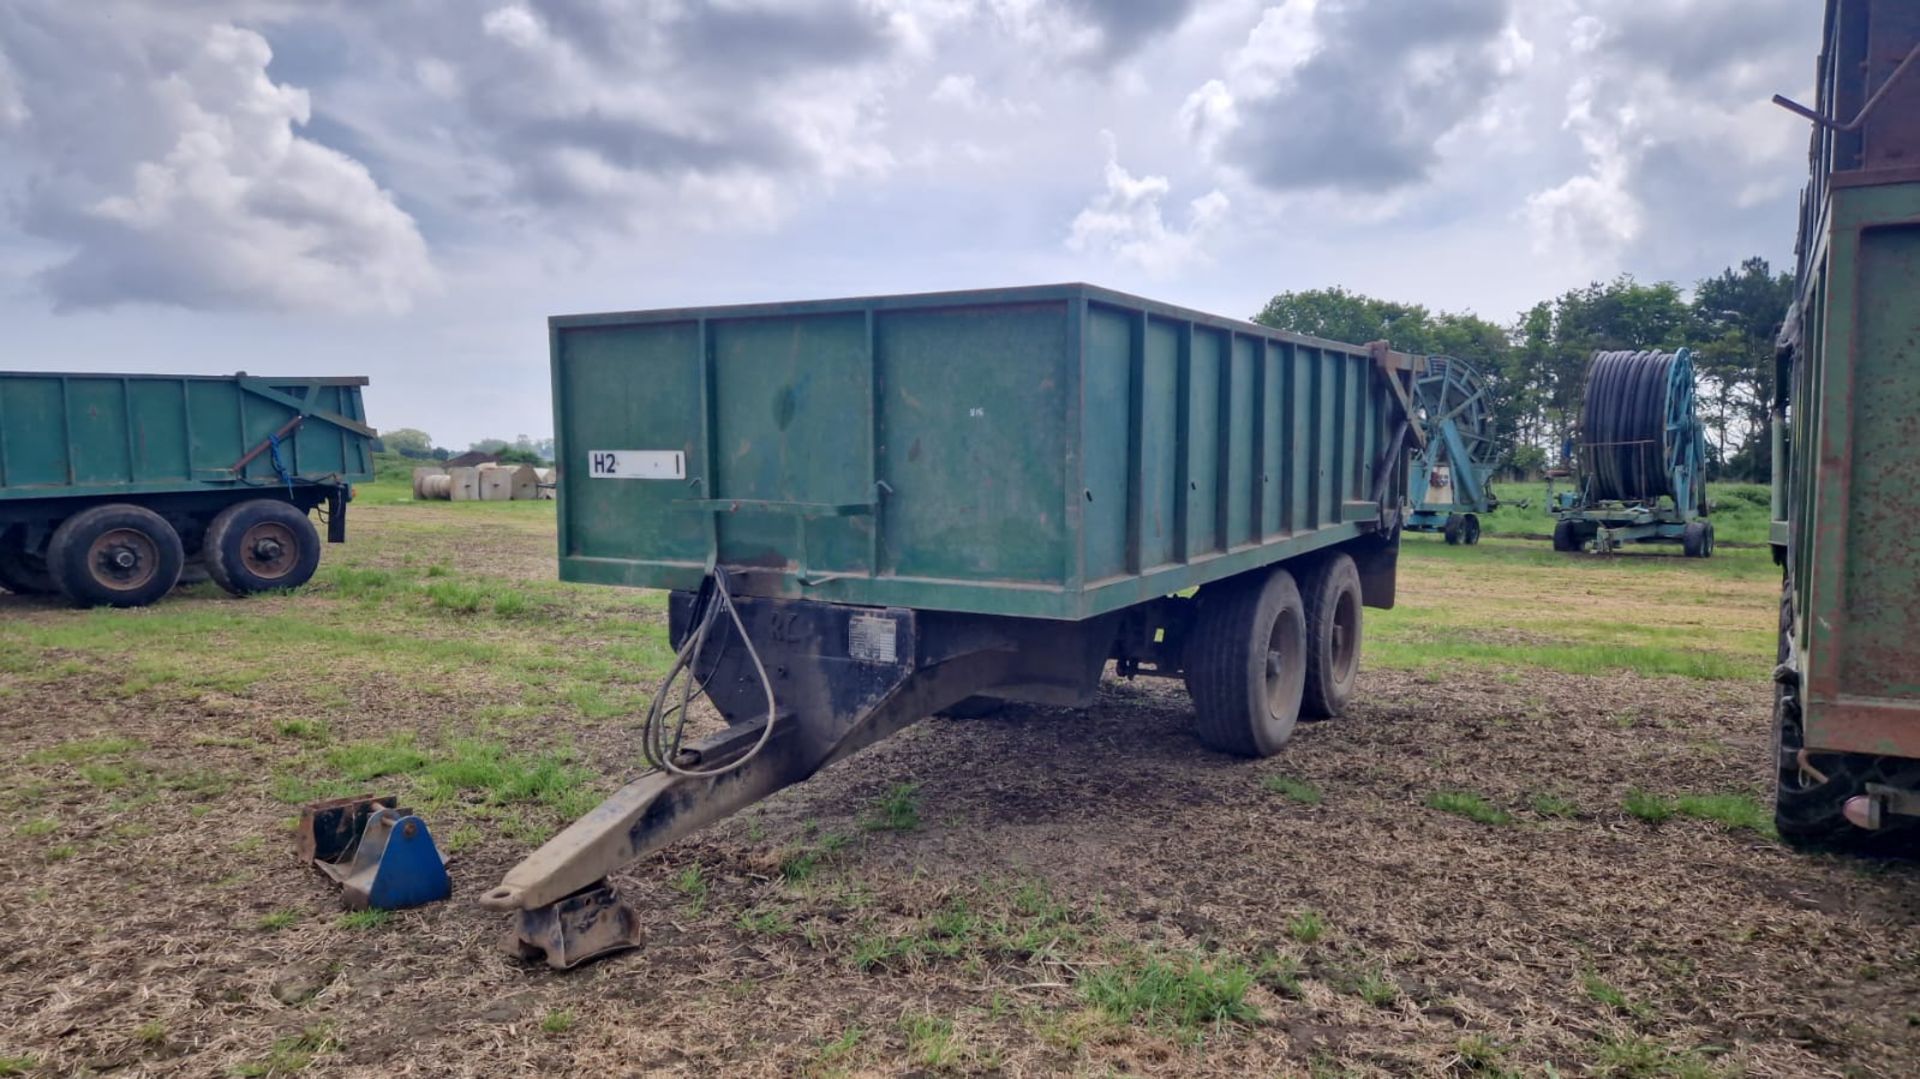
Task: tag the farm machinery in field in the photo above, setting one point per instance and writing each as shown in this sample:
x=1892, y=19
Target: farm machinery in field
x=1846, y=716
x=1450, y=475
x=1639, y=468
x=874, y=510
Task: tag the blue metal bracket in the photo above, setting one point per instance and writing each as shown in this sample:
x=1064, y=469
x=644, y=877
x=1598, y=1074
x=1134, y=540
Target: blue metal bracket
x=383, y=857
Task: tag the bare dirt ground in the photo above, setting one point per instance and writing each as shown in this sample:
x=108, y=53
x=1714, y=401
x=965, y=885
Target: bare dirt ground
x=1045, y=891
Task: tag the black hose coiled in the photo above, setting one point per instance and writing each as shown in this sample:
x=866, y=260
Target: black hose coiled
x=1624, y=426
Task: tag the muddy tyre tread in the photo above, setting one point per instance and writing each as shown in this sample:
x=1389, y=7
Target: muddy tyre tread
x=1324, y=696
x=66, y=555
x=1233, y=615
x=229, y=570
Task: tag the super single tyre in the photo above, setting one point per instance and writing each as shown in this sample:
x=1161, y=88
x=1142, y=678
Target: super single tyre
x=116, y=555
x=261, y=546
x=23, y=574
x=1451, y=530
x=1470, y=529
x=1246, y=663
x=1696, y=540
x=1565, y=537
x=1330, y=597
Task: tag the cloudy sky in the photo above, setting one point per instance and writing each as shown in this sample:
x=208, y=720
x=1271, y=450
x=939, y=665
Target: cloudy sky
x=406, y=188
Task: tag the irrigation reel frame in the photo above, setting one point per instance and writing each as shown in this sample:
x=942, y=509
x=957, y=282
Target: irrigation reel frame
x=1449, y=478
x=1639, y=472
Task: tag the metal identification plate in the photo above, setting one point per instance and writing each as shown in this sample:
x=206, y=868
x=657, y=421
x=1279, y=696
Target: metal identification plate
x=873, y=638
x=636, y=464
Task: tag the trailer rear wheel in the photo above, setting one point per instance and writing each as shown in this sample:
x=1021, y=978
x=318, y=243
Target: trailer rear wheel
x=1452, y=530
x=1247, y=663
x=1565, y=537
x=260, y=546
x=1470, y=530
x=1331, y=598
x=116, y=555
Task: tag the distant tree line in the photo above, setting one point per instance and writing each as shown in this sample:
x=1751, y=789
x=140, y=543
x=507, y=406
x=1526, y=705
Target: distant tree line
x=1535, y=368
x=417, y=444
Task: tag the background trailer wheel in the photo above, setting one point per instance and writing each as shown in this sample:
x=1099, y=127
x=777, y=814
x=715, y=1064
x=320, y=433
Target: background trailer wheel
x=115, y=555
x=261, y=545
x=1247, y=663
x=1330, y=596
x=1451, y=531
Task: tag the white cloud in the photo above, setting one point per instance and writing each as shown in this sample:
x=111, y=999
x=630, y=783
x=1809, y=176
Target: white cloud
x=214, y=199
x=1125, y=222
x=13, y=107
x=959, y=91
x=1679, y=143
x=1356, y=95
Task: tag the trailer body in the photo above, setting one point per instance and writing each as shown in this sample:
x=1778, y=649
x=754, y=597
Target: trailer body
x=1053, y=452
x=872, y=510
x=184, y=448
x=1846, y=449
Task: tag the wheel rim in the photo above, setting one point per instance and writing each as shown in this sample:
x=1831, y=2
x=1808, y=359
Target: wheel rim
x=123, y=559
x=1283, y=671
x=269, y=550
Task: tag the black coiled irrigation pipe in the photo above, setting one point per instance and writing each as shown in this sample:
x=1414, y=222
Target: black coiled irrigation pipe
x=1628, y=431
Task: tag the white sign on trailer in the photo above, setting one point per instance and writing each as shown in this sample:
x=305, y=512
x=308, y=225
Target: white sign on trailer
x=636, y=465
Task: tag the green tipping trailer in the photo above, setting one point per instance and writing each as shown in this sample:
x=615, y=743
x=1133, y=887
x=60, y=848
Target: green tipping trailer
x=1846, y=446
x=113, y=486
x=871, y=510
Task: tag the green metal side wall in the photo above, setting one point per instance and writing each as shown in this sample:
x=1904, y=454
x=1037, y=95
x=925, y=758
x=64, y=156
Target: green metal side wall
x=1052, y=452
x=106, y=435
x=1853, y=496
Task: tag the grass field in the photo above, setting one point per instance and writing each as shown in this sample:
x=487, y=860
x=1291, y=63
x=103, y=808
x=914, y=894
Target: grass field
x=1537, y=846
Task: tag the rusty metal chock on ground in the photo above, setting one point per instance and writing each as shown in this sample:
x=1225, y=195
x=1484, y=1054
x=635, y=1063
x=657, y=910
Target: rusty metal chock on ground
x=382, y=856
x=589, y=923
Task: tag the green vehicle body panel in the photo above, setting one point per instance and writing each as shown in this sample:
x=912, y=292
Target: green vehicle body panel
x=1052, y=452
x=115, y=436
x=1845, y=485
x=1850, y=490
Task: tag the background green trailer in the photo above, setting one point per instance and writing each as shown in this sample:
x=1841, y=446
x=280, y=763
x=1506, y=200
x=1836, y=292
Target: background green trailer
x=112, y=485
x=1847, y=445
x=872, y=510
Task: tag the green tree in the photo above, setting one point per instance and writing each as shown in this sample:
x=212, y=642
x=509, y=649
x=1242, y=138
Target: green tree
x=1338, y=314
x=408, y=442
x=1559, y=337
x=1736, y=316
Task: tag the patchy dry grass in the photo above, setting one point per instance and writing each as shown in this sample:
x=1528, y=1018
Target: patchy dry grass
x=1045, y=891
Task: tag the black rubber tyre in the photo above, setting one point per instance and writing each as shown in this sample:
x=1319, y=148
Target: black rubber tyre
x=1809, y=805
x=1247, y=663
x=1330, y=595
x=115, y=555
x=1565, y=538
x=1696, y=540
x=1470, y=530
x=1451, y=530
x=24, y=575
x=261, y=546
